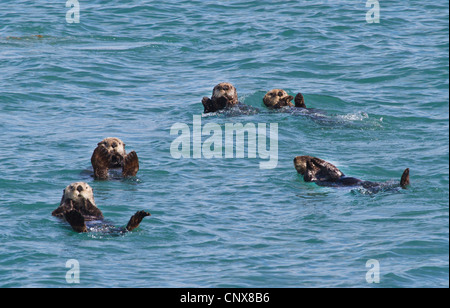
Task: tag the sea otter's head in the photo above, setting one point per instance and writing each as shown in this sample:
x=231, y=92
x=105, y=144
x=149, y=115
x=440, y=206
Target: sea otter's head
x=116, y=149
x=78, y=192
x=227, y=93
x=278, y=98
x=300, y=163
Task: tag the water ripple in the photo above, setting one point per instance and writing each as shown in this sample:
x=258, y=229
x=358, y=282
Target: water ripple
x=379, y=94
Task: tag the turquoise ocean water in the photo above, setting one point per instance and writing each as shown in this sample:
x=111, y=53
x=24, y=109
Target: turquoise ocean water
x=132, y=69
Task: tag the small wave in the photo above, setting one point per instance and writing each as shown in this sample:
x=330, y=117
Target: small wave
x=359, y=116
x=359, y=120
x=235, y=111
x=389, y=186
x=116, y=47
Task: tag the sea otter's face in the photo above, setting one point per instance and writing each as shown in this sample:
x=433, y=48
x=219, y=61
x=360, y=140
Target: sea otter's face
x=116, y=148
x=78, y=192
x=300, y=163
x=278, y=98
x=226, y=91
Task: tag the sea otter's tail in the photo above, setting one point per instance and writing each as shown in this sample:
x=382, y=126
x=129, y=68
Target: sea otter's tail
x=136, y=219
x=404, y=182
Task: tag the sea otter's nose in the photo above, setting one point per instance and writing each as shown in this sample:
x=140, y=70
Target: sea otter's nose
x=114, y=145
x=80, y=188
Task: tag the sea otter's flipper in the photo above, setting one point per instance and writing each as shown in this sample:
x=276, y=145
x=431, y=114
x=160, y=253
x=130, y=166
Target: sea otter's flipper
x=404, y=182
x=76, y=220
x=130, y=165
x=136, y=219
x=300, y=101
x=100, y=162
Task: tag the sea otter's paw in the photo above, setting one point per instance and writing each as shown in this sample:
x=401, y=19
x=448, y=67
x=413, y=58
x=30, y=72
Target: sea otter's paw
x=300, y=101
x=208, y=105
x=130, y=165
x=100, y=162
x=76, y=220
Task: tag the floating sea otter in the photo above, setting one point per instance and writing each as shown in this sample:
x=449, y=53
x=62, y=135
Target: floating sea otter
x=323, y=173
x=110, y=154
x=278, y=98
x=78, y=208
x=224, y=96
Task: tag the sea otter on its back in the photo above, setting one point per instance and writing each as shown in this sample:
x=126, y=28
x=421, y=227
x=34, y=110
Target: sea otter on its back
x=224, y=96
x=109, y=154
x=78, y=208
x=323, y=173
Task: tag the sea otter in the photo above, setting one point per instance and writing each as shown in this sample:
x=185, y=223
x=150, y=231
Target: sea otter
x=323, y=173
x=78, y=208
x=278, y=98
x=224, y=96
x=110, y=154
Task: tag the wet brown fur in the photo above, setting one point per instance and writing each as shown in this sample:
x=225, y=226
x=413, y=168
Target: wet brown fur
x=110, y=153
x=279, y=98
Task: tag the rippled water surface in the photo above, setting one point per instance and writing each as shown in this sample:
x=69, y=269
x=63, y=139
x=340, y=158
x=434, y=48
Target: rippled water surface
x=133, y=69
